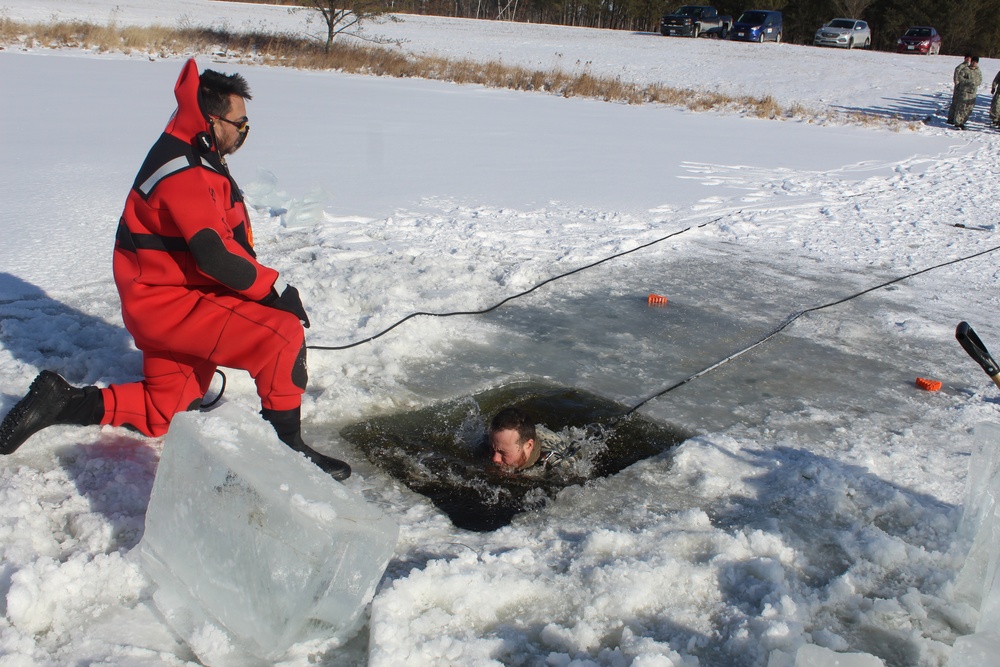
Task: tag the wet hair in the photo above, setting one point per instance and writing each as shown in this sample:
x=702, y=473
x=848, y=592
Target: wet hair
x=975, y=59
x=215, y=88
x=516, y=419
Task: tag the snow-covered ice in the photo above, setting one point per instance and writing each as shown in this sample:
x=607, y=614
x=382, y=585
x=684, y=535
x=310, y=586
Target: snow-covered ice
x=819, y=503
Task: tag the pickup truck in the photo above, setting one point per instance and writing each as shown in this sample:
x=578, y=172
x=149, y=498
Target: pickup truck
x=695, y=20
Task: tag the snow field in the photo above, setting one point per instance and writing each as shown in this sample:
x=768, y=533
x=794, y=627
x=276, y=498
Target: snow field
x=818, y=504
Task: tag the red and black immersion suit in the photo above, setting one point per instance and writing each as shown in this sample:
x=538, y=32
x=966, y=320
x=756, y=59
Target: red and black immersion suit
x=190, y=283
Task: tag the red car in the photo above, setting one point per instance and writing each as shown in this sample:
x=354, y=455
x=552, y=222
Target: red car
x=920, y=39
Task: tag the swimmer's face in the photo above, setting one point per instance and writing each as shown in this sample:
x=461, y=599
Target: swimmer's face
x=508, y=450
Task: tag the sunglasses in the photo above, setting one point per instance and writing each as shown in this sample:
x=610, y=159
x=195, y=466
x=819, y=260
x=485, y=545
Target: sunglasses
x=242, y=125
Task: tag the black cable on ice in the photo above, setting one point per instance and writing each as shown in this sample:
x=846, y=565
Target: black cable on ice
x=794, y=317
x=518, y=295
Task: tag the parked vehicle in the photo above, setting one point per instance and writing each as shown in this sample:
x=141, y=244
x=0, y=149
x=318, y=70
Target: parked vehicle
x=757, y=26
x=845, y=33
x=919, y=39
x=694, y=21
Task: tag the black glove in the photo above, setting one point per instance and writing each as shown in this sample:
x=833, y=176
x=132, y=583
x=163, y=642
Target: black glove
x=285, y=297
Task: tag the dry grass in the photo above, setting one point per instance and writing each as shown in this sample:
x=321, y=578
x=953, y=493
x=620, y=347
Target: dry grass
x=303, y=53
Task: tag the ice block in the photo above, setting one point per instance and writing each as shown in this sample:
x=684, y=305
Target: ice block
x=978, y=582
x=251, y=546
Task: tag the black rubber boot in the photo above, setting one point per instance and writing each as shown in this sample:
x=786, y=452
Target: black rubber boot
x=50, y=400
x=288, y=425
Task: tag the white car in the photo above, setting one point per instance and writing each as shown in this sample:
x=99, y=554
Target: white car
x=846, y=33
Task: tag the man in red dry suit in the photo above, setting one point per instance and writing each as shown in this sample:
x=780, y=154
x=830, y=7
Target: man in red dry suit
x=193, y=295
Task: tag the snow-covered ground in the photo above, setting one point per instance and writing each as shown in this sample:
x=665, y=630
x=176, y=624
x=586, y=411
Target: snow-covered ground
x=879, y=83
x=819, y=501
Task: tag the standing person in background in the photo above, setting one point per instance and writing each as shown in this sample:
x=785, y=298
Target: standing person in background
x=193, y=294
x=968, y=87
x=954, y=93
x=995, y=104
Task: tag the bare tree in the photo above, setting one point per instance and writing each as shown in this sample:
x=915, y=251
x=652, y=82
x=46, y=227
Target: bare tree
x=851, y=9
x=346, y=17
x=506, y=12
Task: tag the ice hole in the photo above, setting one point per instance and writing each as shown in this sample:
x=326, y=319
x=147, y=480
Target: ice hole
x=441, y=452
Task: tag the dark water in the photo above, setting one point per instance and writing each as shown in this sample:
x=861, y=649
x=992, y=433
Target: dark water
x=441, y=452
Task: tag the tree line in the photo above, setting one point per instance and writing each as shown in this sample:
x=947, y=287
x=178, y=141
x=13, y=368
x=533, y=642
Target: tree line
x=966, y=26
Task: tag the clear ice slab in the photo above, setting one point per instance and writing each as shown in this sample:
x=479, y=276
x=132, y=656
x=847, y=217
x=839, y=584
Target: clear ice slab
x=979, y=581
x=252, y=547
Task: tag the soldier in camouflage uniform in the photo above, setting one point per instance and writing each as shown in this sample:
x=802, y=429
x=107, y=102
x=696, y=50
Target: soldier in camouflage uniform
x=968, y=87
x=995, y=104
x=954, y=94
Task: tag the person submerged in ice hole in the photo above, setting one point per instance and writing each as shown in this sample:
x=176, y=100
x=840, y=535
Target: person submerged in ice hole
x=517, y=444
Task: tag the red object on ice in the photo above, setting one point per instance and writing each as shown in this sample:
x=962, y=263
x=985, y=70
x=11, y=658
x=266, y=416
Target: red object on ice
x=929, y=385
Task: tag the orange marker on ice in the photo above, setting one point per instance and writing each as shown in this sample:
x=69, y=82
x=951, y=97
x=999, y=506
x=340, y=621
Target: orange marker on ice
x=657, y=300
x=929, y=385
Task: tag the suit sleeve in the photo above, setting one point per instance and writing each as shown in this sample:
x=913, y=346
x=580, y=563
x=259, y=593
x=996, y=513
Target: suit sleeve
x=197, y=206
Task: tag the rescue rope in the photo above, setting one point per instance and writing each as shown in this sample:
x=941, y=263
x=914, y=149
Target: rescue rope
x=791, y=319
x=494, y=306
x=781, y=327
x=222, y=390
x=520, y=294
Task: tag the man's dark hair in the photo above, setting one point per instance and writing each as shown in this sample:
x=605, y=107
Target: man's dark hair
x=975, y=59
x=516, y=419
x=215, y=89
